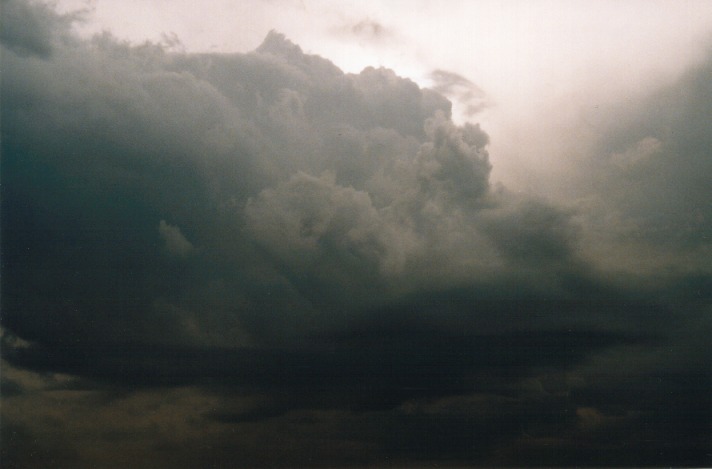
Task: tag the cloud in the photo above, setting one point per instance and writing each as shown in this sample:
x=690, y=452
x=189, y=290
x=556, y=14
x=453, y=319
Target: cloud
x=346, y=267
x=643, y=150
x=370, y=30
x=461, y=90
x=175, y=243
x=642, y=182
x=29, y=29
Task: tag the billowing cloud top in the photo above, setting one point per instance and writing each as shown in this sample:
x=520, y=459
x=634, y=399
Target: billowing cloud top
x=263, y=223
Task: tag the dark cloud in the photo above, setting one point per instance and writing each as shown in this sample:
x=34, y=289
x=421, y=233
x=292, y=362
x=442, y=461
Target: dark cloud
x=32, y=28
x=284, y=264
x=26, y=30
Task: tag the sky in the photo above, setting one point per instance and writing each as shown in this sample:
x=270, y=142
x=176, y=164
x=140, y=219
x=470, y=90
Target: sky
x=348, y=234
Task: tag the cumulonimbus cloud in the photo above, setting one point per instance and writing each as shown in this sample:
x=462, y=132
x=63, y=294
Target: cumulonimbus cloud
x=268, y=222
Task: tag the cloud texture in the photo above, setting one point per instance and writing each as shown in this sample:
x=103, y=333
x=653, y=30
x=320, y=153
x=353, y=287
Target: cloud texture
x=317, y=262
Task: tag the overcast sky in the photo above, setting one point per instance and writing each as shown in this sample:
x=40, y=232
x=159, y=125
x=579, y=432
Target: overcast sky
x=296, y=233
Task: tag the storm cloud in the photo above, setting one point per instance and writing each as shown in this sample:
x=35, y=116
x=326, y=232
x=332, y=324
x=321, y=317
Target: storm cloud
x=284, y=256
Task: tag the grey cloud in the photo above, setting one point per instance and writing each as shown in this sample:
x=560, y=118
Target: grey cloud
x=313, y=225
x=370, y=29
x=263, y=224
x=31, y=29
x=532, y=231
x=114, y=164
x=461, y=90
x=366, y=30
x=175, y=242
x=454, y=162
x=651, y=164
x=234, y=150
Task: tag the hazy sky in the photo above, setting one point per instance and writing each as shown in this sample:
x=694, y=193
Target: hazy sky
x=277, y=233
